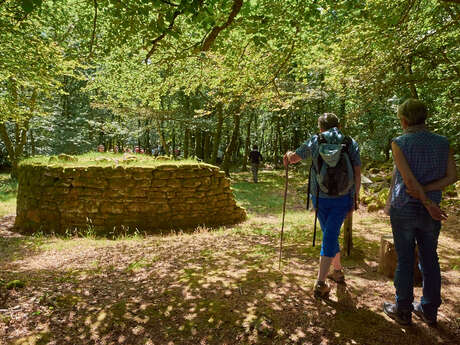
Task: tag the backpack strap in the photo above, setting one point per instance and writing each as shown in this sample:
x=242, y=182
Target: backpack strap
x=347, y=143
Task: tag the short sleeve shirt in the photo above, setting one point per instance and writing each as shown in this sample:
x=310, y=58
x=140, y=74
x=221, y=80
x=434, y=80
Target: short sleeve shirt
x=310, y=148
x=427, y=154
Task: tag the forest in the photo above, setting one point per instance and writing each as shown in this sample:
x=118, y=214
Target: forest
x=204, y=76
x=200, y=82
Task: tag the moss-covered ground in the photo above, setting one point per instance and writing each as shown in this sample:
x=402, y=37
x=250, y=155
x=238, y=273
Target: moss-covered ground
x=213, y=286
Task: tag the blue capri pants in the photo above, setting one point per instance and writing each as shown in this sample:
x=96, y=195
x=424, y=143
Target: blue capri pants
x=331, y=214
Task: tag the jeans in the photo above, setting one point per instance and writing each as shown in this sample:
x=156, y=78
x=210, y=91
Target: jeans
x=331, y=214
x=410, y=224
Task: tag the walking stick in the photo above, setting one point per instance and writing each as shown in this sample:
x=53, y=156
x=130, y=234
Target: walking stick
x=284, y=212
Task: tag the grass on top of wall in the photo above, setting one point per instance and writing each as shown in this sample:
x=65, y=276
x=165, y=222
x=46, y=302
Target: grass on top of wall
x=109, y=159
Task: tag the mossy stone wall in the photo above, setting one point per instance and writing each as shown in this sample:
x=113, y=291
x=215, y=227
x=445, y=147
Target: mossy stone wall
x=110, y=199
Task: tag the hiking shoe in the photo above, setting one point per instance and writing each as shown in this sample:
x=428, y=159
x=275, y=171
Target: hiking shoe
x=419, y=312
x=400, y=317
x=321, y=290
x=337, y=276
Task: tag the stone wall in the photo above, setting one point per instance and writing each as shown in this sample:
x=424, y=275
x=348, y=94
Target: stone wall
x=110, y=199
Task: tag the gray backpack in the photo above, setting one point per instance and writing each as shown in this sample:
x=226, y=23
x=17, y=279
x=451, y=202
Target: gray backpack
x=333, y=169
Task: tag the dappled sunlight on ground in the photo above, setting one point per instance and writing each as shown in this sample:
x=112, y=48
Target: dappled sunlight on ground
x=220, y=286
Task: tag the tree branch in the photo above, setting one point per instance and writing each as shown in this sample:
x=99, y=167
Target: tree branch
x=159, y=38
x=169, y=3
x=406, y=12
x=237, y=4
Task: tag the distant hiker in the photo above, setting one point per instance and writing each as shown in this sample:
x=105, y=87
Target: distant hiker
x=255, y=158
x=334, y=188
x=219, y=157
x=100, y=148
x=424, y=166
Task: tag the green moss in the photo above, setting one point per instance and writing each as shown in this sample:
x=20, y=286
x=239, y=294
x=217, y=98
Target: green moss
x=15, y=284
x=107, y=160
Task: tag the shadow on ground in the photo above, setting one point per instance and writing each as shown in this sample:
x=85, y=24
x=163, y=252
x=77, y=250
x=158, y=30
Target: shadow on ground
x=207, y=288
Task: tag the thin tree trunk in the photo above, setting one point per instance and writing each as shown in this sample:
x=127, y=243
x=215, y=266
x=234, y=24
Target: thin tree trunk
x=217, y=134
x=174, y=141
x=277, y=140
x=32, y=143
x=198, y=144
x=186, y=142
x=232, y=144
x=413, y=89
x=160, y=133
x=247, y=144
x=206, y=146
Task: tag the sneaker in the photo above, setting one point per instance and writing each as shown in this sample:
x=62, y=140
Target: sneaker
x=419, y=312
x=321, y=290
x=400, y=317
x=337, y=276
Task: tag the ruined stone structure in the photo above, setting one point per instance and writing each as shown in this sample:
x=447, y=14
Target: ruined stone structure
x=110, y=199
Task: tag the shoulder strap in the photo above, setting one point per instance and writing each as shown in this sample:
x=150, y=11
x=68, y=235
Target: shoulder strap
x=321, y=139
x=347, y=142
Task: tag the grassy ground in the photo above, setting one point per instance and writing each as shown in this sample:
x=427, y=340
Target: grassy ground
x=8, y=190
x=219, y=286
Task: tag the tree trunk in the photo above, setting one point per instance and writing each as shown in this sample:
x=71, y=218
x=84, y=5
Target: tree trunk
x=174, y=141
x=206, y=146
x=412, y=88
x=198, y=144
x=389, y=259
x=348, y=235
x=186, y=142
x=160, y=134
x=232, y=144
x=148, y=147
x=32, y=143
x=277, y=144
x=247, y=144
x=217, y=134
x=16, y=149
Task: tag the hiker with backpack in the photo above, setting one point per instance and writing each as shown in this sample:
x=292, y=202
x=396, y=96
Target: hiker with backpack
x=255, y=157
x=425, y=165
x=335, y=182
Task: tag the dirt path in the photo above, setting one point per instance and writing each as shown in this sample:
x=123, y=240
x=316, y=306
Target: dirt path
x=209, y=287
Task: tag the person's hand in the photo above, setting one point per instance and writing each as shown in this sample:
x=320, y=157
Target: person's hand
x=413, y=193
x=434, y=210
x=286, y=158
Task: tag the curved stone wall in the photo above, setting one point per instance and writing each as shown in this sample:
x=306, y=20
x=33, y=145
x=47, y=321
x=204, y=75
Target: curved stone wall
x=110, y=199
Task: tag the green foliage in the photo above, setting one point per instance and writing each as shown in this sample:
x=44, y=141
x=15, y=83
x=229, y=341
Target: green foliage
x=15, y=284
x=141, y=73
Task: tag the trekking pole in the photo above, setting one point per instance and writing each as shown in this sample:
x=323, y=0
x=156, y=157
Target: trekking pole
x=284, y=212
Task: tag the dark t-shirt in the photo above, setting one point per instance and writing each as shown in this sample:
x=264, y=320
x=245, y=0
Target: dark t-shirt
x=255, y=156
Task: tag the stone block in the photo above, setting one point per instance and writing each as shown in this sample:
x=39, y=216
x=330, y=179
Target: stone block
x=191, y=183
x=112, y=208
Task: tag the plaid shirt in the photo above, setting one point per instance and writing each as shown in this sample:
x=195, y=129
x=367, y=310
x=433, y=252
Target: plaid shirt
x=426, y=154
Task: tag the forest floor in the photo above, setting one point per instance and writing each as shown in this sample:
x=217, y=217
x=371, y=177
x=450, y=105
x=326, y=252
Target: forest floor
x=214, y=286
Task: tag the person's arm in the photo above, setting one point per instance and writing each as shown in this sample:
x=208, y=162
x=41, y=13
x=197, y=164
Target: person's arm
x=291, y=158
x=451, y=176
x=411, y=183
x=392, y=185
